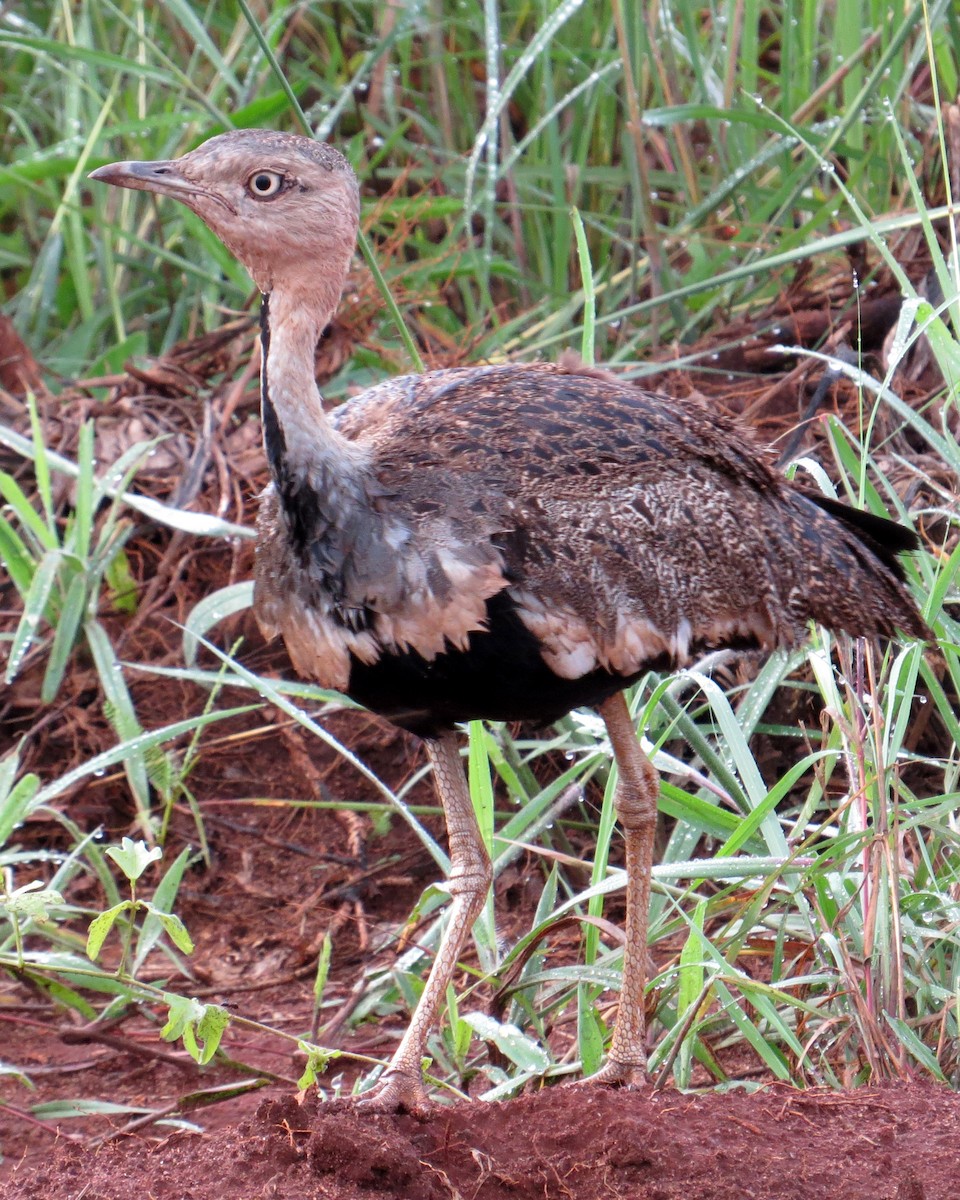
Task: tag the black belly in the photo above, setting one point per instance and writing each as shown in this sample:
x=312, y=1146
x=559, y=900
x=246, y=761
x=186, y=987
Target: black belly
x=501, y=676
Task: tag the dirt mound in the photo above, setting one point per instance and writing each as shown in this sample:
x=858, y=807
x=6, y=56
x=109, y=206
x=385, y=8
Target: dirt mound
x=892, y=1143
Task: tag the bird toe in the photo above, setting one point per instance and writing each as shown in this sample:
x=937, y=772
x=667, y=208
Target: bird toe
x=397, y=1092
x=614, y=1074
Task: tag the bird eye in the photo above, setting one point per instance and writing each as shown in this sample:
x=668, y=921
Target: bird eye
x=264, y=184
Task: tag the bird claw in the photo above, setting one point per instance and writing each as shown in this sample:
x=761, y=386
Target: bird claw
x=396, y=1092
x=614, y=1074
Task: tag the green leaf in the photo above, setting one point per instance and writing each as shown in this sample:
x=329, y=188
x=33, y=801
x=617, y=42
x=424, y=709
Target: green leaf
x=323, y=969
x=921, y=1052
x=15, y=557
x=481, y=795
x=318, y=1059
x=31, y=902
x=181, y=1011
x=133, y=857
x=34, y=610
x=60, y=1110
x=67, y=997
x=114, y=361
x=690, y=991
x=122, y=583
x=15, y=798
x=161, y=905
x=41, y=466
x=522, y=1050
x=461, y=1034
x=588, y=336
x=120, y=712
x=589, y=1029
x=15, y=496
x=81, y=523
x=209, y=611
x=200, y=1026
x=64, y=637
x=14, y=1072
x=100, y=926
x=174, y=927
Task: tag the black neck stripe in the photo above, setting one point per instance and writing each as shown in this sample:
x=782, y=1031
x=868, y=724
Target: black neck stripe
x=273, y=440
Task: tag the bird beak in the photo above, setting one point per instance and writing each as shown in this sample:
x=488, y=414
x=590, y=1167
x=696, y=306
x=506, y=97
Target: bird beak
x=163, y=177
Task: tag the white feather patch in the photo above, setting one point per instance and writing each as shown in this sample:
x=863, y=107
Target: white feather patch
x=431, y=624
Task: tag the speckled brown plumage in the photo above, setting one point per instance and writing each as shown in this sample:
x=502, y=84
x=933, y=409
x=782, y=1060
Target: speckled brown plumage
x=624, y=530
x=505, y=541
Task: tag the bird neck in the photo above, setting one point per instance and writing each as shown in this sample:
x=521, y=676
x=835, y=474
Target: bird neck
x=300, y=442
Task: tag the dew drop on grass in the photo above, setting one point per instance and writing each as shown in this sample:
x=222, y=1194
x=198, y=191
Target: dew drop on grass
x=13, y=666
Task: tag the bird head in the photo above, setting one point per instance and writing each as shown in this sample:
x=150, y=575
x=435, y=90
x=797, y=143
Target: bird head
x=287, y=207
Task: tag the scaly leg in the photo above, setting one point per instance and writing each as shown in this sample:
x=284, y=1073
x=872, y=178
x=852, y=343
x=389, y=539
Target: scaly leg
x=638, y=787
x=470, y=874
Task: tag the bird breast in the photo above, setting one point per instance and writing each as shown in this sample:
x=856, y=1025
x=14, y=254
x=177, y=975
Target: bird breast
x=369, y=584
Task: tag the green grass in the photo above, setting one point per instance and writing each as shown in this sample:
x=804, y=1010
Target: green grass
x=699, y=166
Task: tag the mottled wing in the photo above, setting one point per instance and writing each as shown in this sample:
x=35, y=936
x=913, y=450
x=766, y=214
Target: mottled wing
x=631, y=527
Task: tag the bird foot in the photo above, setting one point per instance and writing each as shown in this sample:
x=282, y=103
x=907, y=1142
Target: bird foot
x=396, y=1092
x=614, y=1074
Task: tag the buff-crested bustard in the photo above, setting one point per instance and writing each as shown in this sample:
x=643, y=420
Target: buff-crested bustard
x=506, y=542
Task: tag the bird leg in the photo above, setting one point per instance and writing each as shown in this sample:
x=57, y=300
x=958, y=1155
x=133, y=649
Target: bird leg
x=401, y=1086
x=635, y=800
